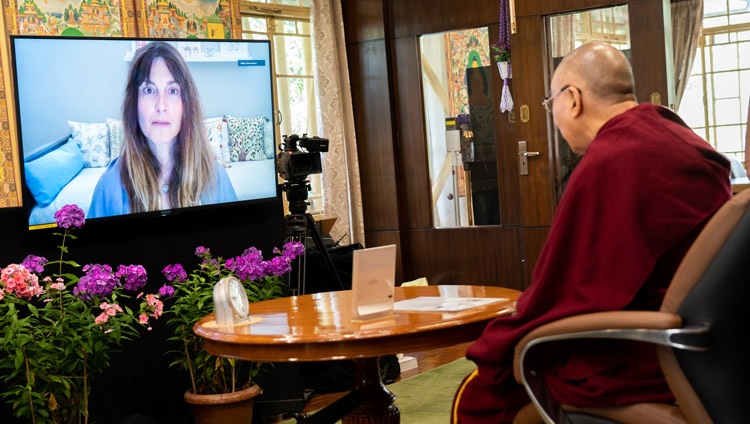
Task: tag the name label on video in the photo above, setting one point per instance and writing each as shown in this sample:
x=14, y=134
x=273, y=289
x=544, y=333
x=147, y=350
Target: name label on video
x=251, y=62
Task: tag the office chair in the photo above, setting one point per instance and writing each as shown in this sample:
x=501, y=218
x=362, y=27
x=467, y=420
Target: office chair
x=700, y=331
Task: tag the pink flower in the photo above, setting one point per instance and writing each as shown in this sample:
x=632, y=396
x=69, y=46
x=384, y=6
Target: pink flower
x=19, y=281
x=154, y=302
x=57, y=286
x=109, y=310
x=143, y=318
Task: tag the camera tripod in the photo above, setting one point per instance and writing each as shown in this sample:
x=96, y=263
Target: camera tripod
x=298, y=225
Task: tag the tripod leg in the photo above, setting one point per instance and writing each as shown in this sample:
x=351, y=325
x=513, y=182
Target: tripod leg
x=296, y=231
x=318, y=240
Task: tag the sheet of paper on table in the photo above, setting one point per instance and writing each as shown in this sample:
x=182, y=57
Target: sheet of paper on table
x=443, y=304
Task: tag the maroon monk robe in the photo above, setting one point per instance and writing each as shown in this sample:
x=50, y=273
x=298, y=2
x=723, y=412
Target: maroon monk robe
x=632, y=207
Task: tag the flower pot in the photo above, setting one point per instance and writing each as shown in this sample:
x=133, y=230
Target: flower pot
x=506, y=72
x=226, y=408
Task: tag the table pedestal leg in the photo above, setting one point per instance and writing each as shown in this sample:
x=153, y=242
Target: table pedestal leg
x=377, y=405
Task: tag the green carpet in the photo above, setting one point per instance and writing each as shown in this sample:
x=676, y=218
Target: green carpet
x=426, y=398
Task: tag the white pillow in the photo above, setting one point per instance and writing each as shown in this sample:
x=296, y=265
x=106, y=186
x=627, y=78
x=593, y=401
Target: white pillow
x=218, y=137
x=93, y=140
x=115, y=137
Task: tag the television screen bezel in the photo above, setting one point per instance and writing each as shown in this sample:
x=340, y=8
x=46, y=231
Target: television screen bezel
x=29, y=201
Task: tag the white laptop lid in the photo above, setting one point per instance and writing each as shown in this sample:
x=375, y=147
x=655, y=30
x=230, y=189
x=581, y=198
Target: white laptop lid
x=373, y=281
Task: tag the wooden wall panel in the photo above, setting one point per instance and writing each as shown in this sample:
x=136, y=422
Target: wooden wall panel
x=412, y=140
x=488, y=256
x=537, y=195
x=548, y=7
x=649, y=59
x=417, y=17
x=364, y=20
x=372, y=118
x=391, y=139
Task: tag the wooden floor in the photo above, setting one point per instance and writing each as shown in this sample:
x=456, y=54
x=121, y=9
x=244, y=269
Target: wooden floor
x=426, y=361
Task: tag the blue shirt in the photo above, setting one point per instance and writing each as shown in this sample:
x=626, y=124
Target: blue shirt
x=110, y=197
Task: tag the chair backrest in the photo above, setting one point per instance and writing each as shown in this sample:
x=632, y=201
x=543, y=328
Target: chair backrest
x=711, y=288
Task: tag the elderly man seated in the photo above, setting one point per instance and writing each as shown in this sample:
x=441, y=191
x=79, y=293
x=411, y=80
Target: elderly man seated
x=643, y=190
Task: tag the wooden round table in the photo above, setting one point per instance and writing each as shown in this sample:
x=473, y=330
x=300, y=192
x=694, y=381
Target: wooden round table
x=318, y=327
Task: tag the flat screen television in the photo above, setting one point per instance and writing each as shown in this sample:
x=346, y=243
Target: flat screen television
x=69, y=94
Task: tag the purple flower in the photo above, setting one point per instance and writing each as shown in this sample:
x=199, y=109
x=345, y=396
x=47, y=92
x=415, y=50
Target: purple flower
x=253, y=252
x=174, y=273
x=99, y=280
x=166, y=291
x=202, y=252
x=278, y=265
x=134, y=275
x=34, y=263
x=249, y=266
x=70, y=216
x=293, y=249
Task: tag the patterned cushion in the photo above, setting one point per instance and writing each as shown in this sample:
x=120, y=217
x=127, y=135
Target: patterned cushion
x=218, y=137
x=269, y=144
x=246, y=139
x=115, y=137
x=93, y=141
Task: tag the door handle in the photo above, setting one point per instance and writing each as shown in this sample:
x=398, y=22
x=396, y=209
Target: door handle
x=523, y=163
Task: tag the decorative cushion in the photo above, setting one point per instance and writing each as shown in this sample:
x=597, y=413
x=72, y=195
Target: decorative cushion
x=218, y=137
x=246, y=141
x=116, y=134
x=93, y=140
x=269, y=144
x=47, y=175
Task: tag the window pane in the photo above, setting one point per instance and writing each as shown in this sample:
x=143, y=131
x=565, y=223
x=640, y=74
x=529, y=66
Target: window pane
x=303, y=28
x=296, y=92
x=729, y=139
x=724, y=57
x=250, y=23
x=293, y=55
x=715, y=22
x=728, y=111
x=739, y=19
x=286, y=26
x=727, y=85
x=691, y=107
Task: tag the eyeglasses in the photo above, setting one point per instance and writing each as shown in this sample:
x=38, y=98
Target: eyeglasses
x=547, y=102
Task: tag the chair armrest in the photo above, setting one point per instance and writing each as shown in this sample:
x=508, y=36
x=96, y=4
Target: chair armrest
x=599, y=322
x=647, y=326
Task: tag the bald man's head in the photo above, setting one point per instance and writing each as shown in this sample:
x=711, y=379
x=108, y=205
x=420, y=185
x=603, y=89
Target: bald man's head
x=602, y=70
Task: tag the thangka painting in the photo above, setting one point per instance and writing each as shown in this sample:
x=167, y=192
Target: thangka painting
x=103, y=18
x=467, y=49
x=186, y=18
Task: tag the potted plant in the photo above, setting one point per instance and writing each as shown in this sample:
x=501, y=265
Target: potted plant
x=58, y=330
x=501, y=54
x=216, y=380
x=500, y=51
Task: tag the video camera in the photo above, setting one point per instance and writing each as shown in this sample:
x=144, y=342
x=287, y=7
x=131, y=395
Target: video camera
x=296, y=165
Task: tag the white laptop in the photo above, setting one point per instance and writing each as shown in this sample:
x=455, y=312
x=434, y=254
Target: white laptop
x=373, y=282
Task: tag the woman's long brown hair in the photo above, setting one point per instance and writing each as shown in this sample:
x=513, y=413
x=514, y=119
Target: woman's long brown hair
x=194, y=169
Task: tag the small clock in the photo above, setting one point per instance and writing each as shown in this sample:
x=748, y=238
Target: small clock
x=230, y=302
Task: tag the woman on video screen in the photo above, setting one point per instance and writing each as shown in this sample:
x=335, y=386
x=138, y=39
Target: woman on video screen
x=166, y=161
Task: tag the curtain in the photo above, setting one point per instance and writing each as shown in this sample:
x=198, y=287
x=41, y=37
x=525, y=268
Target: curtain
x=342, y=197
x=687, y=23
